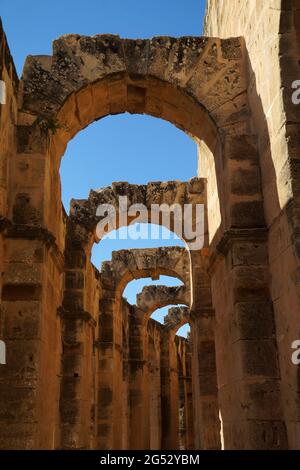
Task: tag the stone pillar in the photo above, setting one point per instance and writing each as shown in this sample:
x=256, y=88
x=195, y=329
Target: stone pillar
x=185, y=393
x=205, y=393
x=125, y=383
x=105, y=345
x=110, y=348
x=29, y=382
x=182, y=411
x=247, y=363
x=117, y=374
x=169, y=392
x=78, y=385
x=31, y=283
x=189, y=400
x=138, y=385
x=154, y=385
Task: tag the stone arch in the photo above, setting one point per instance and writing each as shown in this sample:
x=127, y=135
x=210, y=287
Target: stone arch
x=106, y=329
x=197, y=83
x=128, y=265
x=173, y=321
x=206, y=94
x=153, y=196
x=82, y=223
x=205, y=393
x=83, y=220
x=153, y=297
x=170, y=386
x=176, y=318
x=196, y=66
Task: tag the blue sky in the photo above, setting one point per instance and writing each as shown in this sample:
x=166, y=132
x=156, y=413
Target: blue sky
x=129, y=148
x=31, y=25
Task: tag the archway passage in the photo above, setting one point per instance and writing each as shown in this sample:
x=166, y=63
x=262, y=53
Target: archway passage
x=196, y=83
x=199, y=85
x=124, y=338
x=114, y=75
x=135, y=340
x=137, y=148
x=178, y=206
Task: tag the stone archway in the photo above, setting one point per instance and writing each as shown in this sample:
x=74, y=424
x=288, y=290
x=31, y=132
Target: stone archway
x=153, y=297
x=200, y=85
x=125, y=266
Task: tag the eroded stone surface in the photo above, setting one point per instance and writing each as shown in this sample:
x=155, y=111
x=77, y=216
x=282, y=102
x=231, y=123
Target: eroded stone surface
x=84, y=368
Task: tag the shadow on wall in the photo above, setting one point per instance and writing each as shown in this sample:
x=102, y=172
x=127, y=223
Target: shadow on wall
x=283, y=258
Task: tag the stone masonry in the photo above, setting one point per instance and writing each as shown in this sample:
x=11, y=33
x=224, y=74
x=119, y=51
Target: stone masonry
x=84, y=368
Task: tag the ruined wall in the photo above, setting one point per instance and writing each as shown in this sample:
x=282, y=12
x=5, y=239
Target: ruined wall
x=22, y=303
x=67, y=328
x=30, y=260
x=271, y=32
x=131, y=345
x=79, y=362
x=8, y=117
x=148, y=393
x=125, y=312
x=186, y=418
x=154, y=344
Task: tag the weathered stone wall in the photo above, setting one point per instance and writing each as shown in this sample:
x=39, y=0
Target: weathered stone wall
x=74, y=345
x=271, y=32
x=23, y=304
x=150, y=403
x=186, y=418
x=32, y=288
x=8, y=118
x=154, y=351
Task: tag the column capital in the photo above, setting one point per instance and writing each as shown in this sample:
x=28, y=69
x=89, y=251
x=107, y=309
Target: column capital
x=76, y=314
x=236, y=235
x=30, y=232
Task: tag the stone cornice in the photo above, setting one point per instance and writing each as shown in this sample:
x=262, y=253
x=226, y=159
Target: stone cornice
x=76, y=314
x=232, y=236
x=208, y=312
x=28, y=232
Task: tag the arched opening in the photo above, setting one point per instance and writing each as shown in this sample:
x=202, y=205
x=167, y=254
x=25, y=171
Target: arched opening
x=125, y=147
x=139, y=235
x=112, y=329
x=160, y=313
x=115, y=93
x=133, y=288
x=184, y=331
x=145, y=77
x=201, y=86
x=151, y=97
